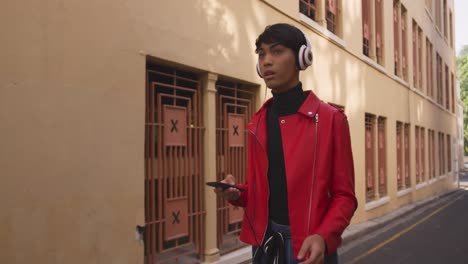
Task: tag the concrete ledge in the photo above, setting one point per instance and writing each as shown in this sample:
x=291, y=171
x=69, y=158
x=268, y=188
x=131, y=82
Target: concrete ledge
x=243, y=255
x=377, y=203
x=404, y=192
x=358, y=230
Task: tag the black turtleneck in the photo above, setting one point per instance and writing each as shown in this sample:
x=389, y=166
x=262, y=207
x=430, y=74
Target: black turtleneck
x=286, y=103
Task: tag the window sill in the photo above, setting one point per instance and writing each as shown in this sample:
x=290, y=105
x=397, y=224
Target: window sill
x=431, y=181
x=421, y=185
x=429, y=14
x=438, y=31
x=322, y=30
x=416, y=90
x=403, y=192
x=373, y=64
x=374, y=204
x=401, y=81
x=430, y=99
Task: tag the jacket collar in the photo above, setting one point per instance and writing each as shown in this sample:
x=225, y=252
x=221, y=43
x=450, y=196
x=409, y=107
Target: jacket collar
x=309, y=108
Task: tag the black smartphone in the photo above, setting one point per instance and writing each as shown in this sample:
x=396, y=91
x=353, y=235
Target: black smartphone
x=224, y=186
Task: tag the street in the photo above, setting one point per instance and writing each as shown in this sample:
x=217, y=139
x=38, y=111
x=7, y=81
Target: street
x=433, y=234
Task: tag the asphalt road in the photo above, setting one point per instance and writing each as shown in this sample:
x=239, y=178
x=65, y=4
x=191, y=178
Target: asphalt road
x=437, y=233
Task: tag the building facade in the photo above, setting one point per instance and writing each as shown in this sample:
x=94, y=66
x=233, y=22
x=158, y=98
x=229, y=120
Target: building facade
x=115, y=114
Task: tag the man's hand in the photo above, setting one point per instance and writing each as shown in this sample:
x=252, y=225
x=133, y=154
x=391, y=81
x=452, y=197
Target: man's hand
x=313, y=247
x=230, y=194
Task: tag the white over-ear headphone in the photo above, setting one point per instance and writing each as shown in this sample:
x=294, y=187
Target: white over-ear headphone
x=304, y=57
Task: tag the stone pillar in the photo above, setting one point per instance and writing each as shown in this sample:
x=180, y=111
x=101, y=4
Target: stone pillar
x=211, y=253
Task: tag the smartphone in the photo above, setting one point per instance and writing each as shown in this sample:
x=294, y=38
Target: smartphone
x=224, y=186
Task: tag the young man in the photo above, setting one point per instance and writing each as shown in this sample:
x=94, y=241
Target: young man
x=299, y=194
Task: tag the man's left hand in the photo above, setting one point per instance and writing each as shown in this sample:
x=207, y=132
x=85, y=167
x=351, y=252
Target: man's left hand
x=313, y=247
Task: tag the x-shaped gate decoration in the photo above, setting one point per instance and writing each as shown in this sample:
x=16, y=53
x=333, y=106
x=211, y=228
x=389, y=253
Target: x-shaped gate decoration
x=236, y=130
x=175, y=126
x=176, y=218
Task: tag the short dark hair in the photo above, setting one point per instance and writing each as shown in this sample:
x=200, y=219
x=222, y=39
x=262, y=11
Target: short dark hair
x=284, y=34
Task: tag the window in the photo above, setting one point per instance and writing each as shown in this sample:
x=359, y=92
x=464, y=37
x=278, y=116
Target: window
x=399, y=151
x=407, y=156
x=451, y=29
x=438, y=14
x=331, y=11
x=416, y=152
x=420, y=154
x=404, y=61
x=399, y=40
x=422, y=157
x=372, y=30
x=449, y=155
x=326, y=13
x=439, y=79
x=370, y=162
x=382, y=156
x=441, y=154
x=396, y=38
x=308, y=8
x=429, y=69
x=452, y=90
x=373, y=190
x=379, y=31
x=366, y=27
x=447, y=88
x=430, y=163
x=420, y=55
x=417, y=55
x=444, y=11
x=433, y=153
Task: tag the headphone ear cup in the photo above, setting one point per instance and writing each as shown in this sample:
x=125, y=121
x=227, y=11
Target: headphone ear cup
x=300, y=57
x=308, y=57
x=305, y=56
x=258, y=71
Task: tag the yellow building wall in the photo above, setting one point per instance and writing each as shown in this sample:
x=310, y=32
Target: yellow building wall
x=72, y=104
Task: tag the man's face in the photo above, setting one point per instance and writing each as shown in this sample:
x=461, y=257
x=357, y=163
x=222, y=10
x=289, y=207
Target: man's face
x=278, y=67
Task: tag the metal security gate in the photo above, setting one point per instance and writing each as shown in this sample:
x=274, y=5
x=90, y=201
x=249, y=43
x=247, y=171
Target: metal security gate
x=174, y=210
x=234, y=108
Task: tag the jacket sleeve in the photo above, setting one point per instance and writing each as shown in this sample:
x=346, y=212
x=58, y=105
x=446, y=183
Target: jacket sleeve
x=343, y=201
x=242, y=201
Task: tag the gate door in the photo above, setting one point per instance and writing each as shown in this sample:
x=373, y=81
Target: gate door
x=174, y=210
x=234, y=108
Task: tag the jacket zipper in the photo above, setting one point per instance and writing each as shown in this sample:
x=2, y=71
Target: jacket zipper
x=313, y=169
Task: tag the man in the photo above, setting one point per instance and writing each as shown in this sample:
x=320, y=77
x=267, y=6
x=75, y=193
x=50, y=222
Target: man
x=299, y=195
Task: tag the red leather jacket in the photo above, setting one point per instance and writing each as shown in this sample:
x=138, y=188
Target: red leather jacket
x=319, y=171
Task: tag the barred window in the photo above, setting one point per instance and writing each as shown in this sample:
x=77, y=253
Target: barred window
x=382, y=156
x=331, y=12
x=407, y=156
x=370, y=160
x=308, y=8
x=399, y=151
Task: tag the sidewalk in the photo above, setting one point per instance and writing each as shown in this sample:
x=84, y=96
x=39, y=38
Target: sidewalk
x=358, y=230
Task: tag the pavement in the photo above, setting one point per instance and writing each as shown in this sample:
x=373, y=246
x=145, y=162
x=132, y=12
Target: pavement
x=433, y=234
x=356, y=231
